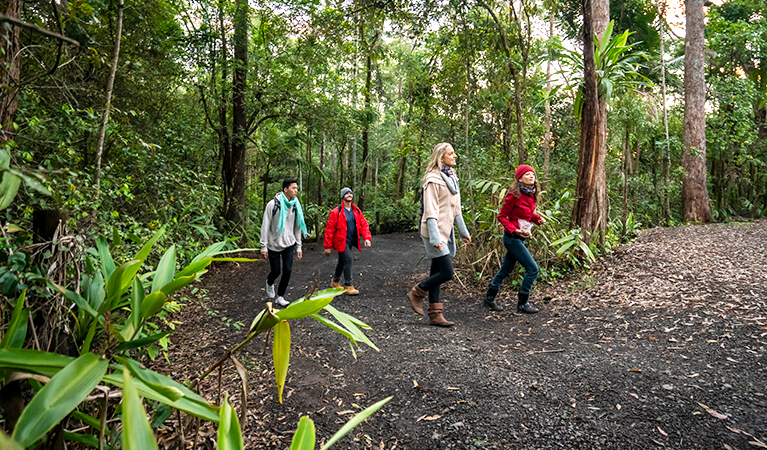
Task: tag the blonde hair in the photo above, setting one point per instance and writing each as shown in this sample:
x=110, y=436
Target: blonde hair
x=435, y=161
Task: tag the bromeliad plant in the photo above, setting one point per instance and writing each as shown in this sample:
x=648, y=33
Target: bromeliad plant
x=111, y=313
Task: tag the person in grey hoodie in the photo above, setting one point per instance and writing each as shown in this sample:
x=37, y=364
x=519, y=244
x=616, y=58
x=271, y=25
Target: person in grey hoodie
x=281, y=232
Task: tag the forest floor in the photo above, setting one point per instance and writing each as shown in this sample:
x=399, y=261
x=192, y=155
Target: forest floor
x=662, y=345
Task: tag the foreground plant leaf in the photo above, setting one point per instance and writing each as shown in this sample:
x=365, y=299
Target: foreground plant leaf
x=229, y=434
x=137, y=434
x=305, y=436
x=8, y=443
x=17, y=328
x=281, y=354
x=59, y=397
x=356, y=420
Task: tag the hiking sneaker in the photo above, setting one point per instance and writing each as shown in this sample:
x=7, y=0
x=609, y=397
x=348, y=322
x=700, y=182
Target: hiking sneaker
x=336, y=285
x=350, y=290
x=281, y=302
x=269, y=290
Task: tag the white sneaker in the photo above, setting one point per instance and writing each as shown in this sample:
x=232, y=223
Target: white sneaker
x=269, y=290
x=281, y=302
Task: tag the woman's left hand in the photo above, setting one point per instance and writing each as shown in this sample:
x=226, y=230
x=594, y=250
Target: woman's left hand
x=542, y=221
x=467, y=239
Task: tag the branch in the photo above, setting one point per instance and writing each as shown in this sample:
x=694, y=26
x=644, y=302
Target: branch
x=36, y=29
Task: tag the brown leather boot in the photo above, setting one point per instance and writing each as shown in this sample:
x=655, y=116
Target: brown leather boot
x=416, y=296
x=435, y=316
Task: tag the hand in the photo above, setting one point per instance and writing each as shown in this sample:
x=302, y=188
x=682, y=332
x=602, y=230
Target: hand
x=542, y=221
x=367, y=243
x=299, y=255
x=438, y=246
x=523, y=234
x=467, y=240
x=327, y=252
x=265, y=254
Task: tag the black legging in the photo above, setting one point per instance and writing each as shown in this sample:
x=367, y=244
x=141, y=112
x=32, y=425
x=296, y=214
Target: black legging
x=344, y=266
x=287, y=268
x=441, y=272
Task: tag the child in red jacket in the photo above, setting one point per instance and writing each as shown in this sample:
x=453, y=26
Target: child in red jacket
x=517, y=216
x=345, y=226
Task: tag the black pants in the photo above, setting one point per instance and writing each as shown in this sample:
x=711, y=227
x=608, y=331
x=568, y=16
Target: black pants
x=287, y=268
x=441, y=272
x=344, y=266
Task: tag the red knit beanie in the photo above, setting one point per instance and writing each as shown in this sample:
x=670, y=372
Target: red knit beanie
x=521, y=170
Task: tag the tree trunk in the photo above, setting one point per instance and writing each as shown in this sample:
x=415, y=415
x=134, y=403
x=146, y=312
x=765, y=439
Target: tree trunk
x=547, y=119
x=667, y=147
x=224, y=138
x=366, y=125
x=10, y=69
x=694, y=190
x=322, y=169
x=235, y=204
x=586, y=212
x=110, y=86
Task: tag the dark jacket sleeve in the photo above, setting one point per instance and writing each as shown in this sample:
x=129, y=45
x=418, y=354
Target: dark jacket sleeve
x=505, y=215
x=330, y=228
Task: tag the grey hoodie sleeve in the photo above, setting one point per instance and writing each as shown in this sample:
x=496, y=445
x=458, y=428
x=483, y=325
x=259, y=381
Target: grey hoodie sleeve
x=461, y=226
x=266, y=224
x=433, y=231
x=297, y=233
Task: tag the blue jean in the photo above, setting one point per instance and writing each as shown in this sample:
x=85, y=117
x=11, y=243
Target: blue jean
x=516, y=252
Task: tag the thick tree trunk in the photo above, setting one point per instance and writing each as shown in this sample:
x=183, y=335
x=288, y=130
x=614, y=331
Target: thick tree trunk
x=110, y=86
x=236, y=171
x=224, y=138
x=586, y=212
x=10, y=69
x=695, y=199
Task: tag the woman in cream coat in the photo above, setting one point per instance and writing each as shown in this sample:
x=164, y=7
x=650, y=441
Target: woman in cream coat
x=441, y=210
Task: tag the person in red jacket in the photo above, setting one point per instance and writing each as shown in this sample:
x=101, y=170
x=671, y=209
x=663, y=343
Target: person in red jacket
x=346, y=225
x=517, y=216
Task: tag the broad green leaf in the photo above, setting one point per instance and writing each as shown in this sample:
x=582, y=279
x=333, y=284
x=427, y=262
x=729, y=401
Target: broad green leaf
x=137, y=434
x=135, y=319
x=190, y=403
x=229, y=434
x=178, y=283
x=356, y=420
x=305, y=436
x=185, y=404
x=59, y=397
x=335, y=327
x=88, y=420
x=346, y=322
x=281, y=354
x=17, y=328
x=136, y=343
x=94, y=290
x=81, y=302
x=165, y=269
x=33, y=361
x=144, y=252
x=85, y=439
x=299, y=310
x=194, y=267
x=8, y=443
x=565, y=247
x=152, y=304
x=8, y=189
x=119, y=281
x=107, y=263
x=209, y=252
x=265, y=320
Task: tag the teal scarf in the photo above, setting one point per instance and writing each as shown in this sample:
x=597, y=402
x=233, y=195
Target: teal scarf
x=285, y=205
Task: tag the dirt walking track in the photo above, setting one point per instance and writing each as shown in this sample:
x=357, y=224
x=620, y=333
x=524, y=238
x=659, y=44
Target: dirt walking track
x=661, y=346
